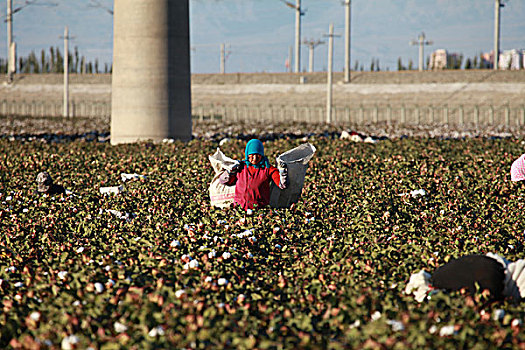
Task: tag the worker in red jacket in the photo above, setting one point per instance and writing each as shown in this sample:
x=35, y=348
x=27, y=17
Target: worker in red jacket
x=252, y=177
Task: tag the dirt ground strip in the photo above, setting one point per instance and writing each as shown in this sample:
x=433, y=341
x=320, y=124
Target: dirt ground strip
x=98, y=129
x=452, y=88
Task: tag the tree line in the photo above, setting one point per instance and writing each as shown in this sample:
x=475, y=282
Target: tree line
x=453, y=62
x=53, y=62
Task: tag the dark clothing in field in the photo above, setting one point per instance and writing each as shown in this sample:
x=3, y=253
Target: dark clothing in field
x=468, y=270
x=53, y=189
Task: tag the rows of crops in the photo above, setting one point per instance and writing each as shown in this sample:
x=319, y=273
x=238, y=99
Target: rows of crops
x=166, y=270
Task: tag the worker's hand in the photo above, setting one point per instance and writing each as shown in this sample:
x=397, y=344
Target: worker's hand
x=281, y=164
x=236, y=168
x=283, y=174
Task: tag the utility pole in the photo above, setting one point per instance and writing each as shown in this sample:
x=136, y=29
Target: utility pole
x=348, y=6
x=312, y=44
x=298, y=14
x=298, y=36
x=290, y=57
x=11, y=45
x=497, y=6
x=421, y=42
x=11, y=64
x=330, y=36
x=223, y=59
x=65, y=109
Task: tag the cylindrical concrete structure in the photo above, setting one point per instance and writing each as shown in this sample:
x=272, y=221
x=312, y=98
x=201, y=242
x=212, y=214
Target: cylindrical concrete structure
x=151, y=96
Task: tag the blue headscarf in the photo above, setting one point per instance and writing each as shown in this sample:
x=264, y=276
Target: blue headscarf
x=255, y=146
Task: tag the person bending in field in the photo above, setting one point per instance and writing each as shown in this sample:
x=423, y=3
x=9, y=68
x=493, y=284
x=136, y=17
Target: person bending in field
x=517, y=170
x=252, y=177
x=490, y=272
x=45, y=185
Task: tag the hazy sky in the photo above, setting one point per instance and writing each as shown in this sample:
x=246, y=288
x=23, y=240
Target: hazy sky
x=259, y=32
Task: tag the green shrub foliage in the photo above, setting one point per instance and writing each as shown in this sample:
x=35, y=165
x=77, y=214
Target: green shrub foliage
x=328, y=273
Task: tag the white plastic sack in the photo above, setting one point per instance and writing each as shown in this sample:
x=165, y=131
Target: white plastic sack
x=221, y=195
x=297, y=161
x=111, y=190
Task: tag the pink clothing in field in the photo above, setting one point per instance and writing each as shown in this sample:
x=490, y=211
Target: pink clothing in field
x=517, y=170
x=252, y=186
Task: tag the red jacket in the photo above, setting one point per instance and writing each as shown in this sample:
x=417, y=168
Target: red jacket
x=252, y=185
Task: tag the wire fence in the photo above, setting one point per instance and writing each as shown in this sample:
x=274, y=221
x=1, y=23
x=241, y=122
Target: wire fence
x=357, y=115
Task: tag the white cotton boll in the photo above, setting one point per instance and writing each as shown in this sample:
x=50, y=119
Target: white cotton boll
x=18, y=297
x=194, y=264
x=70, y=342
x=252, y=239
x=99, y=287
x=119, y=327
x=186, y=266
x=376, y=316
x=62, y=275
x=107, y=268
x=226, y=255
x=446, y=331
x=220, y=305
x=175, y=243
x=511, y=246
x=25, y=210
x=18, y=284
x=397, y=326
x=515, y=322
x=417, y=193
x=157, y=331
x=249, y=255
x=76, y=303
x=222, y=281
x=8, y=198
x=278, y=246
x=212, y=254
x=35, y=316
x=249, y=212
x=432, y=329
x=246, y=233
x=180, y=293
x=498, y=314
x=110, y=282
x=124, y=177
x=79, y=250
x=355, y=324
x=10, y=269
x=208, y=279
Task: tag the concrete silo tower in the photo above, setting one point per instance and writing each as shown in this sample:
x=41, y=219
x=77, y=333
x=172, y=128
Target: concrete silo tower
x=151, y=96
